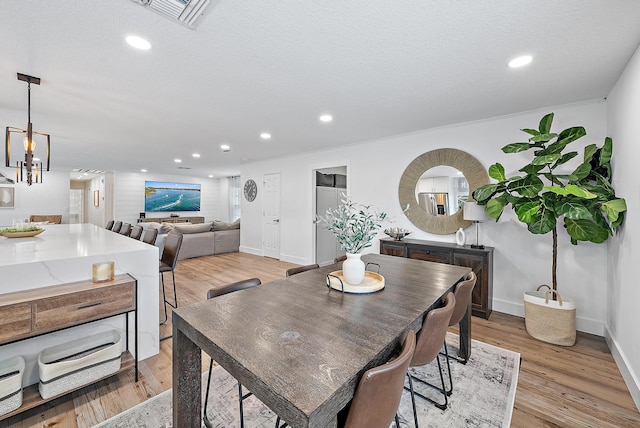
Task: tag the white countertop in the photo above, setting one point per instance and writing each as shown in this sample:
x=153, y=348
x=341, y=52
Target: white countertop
x=65, y=241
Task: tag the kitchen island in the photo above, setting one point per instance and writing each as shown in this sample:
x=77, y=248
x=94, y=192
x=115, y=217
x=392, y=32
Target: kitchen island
x=64, y=254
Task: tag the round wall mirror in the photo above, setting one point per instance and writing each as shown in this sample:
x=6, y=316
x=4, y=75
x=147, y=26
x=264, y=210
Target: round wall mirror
x=435, y=186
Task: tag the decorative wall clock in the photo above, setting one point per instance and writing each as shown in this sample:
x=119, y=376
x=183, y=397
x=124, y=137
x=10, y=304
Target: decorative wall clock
x=250, y=190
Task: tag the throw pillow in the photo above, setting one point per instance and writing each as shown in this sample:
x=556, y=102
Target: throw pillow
x=192, y=228
x=166, y=227
x=221, y=225
x=149, y=225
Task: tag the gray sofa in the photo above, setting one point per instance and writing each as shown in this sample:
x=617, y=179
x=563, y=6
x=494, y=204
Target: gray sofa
x=204, y=239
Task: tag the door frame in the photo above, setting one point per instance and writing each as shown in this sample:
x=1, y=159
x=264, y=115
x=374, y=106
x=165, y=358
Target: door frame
x=264, y=199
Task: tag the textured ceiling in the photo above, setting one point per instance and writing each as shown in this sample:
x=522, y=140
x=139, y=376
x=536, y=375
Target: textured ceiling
x=380, y=68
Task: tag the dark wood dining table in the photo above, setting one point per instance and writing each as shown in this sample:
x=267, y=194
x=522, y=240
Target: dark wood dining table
x=301, y=347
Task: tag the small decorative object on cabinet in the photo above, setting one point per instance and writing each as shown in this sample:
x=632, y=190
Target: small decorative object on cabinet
x=461, y=237
x=480, y=260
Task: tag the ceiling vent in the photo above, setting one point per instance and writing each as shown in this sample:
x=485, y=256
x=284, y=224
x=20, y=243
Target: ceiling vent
x=186, y=12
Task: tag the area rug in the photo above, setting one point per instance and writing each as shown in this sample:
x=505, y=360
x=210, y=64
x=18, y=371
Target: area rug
x=483, y=396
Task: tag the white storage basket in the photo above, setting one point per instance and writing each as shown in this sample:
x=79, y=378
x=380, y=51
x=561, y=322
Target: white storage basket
x=11, y=372
x=73, y=364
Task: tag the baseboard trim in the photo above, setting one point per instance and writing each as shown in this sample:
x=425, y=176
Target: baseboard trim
x=586, y=325
x=250, y=250
x=294, y=259
x=631, y=379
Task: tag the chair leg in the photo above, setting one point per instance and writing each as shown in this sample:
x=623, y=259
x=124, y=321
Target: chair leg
x=240, y=398
x=446, y=353
x=397, y=421
x=284, y=425
x=413, y=399
x=164, y=300
x=442, y=390
x=205, y=418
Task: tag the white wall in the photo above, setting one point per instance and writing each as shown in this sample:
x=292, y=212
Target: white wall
x=522, y=261
x=128, y=196
x=49, y=197
x=623, y=297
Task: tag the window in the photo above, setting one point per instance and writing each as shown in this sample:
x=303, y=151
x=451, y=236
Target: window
x=234, y=198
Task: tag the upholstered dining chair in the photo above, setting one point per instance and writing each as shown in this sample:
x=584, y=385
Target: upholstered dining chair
x=301, y=269
x=168, y=263
x=136, y=232
x=116, y=227
x=125, y=229
x=463, y=294
x=377, y=397
x=109, y=225
x=215, y=292
x=428, y=344
x=149, y=236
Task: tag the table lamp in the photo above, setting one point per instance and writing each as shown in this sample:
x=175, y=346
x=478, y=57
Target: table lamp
x=476, y=213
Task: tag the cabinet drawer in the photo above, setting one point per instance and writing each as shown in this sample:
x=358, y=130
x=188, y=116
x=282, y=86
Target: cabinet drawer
x=393, y=249
x=430, y=254
x=15, y=321
x=64, y=311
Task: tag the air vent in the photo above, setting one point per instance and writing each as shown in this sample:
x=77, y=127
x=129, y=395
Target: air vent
x=186, y=12
x=184, y=167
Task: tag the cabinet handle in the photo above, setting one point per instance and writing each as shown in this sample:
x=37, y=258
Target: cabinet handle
x=88, y=305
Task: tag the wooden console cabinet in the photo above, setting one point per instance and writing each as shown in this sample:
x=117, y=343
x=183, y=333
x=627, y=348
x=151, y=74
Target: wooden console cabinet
x=30, y=313
x=480, y=260
x=193, y=220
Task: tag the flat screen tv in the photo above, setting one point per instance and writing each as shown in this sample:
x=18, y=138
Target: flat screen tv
x=163, y=196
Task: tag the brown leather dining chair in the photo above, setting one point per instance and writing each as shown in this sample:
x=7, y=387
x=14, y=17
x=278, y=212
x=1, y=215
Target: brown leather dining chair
x=215, y=292
x=463, y=294
x=300, y=269
x=428, y=344
x=136, y=232
x=116, y=226
x=149, y=236
x=377, y=397
x=168, y=263
x=109, y=225
x=125, y=229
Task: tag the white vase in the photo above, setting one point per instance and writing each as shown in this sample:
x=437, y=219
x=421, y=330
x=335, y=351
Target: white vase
x=460, y=237
x=353, y=269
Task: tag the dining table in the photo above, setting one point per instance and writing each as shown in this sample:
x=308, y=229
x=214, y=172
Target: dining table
x=300, y=346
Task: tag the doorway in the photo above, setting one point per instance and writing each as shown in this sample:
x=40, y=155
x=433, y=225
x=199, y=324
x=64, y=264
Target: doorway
x=271, y=216
x=330, y=188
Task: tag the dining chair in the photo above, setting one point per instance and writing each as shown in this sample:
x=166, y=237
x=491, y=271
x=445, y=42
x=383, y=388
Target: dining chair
x=463, y=294
x=300, y=269
x=125, y=229
x=377, y=397
x=215, y=292
x=149, y=236
x=136, y=232
x=428, y=344
x=116, y=226
x=168, y=263
x=109, y=225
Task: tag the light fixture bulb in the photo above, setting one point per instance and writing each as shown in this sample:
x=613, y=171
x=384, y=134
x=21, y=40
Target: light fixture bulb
x=25, y=143
x=520, y=61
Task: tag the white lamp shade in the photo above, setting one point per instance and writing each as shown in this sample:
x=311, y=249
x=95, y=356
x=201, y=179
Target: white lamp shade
x=475, y=212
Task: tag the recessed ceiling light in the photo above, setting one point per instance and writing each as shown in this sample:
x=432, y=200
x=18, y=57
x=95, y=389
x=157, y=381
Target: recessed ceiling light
x=520, y=61
x=210, y=176
x=85, y=174
x=138, y=42
x=326, y=118
x=196, y=155
x=225, y=147
x=143, y=170
x=177, y=160
x=265, y=136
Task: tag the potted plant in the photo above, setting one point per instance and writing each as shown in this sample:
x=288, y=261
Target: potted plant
x=354, y=226
x=545, y=192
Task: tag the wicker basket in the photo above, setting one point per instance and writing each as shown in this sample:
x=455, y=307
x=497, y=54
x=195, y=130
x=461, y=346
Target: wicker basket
x=552, y=321
x=11, y=372
x=73, y=364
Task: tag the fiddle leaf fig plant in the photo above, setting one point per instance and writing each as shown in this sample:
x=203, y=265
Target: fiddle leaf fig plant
x=546, y=192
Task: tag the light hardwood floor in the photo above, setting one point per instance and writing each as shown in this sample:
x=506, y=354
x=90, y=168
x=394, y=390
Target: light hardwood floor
x=578, y=386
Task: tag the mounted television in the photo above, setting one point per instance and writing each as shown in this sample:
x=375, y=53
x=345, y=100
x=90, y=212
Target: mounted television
x=163, y=196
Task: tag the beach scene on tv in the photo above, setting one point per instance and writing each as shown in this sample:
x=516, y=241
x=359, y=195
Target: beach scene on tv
x=160, y=196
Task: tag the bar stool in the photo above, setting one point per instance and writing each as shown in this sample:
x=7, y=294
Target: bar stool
x=168, y=263
x=150, y=236
x=116, y=226
x=109, y=225
x=215, y=292
x=125, y=229
x=136, y=232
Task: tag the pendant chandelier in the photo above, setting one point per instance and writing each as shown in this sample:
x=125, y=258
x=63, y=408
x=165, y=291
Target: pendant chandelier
x=30, y=170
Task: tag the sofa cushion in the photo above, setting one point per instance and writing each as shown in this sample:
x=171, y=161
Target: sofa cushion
x=192, y=228
x=227, y=241
x=221, y=225
x=166, y=228
x=149, y=225
x=197, y=245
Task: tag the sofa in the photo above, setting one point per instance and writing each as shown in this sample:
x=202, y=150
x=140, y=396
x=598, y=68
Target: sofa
x=205, y=239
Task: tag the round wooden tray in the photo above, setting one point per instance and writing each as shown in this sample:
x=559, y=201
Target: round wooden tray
x=21, y=234
x=372, y=282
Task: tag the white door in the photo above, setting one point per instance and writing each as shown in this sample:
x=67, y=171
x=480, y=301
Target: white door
x=76, y=206
x=271, y=216
x=327, y=247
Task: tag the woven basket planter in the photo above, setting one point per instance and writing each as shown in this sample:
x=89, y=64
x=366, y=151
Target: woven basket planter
x=73, y=364
x=552, y=321
x=11, y=372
